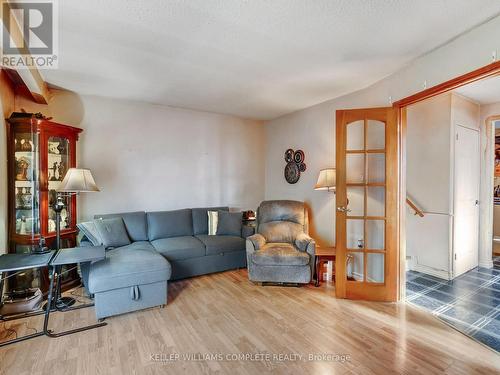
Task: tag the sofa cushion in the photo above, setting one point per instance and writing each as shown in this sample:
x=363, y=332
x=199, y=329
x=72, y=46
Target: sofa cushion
x=229, y=223
x=200, y=218
x=89, y=230
x=112, y=232
x=221, y=244
x=165, y=224
x=178, y=248
x=135, y=223
x=280, y=254
x=134, y=264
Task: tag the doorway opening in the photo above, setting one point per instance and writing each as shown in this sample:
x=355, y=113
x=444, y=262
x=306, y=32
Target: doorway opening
x=451, y=231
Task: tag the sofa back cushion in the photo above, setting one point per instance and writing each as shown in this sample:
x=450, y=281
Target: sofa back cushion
x=229, y=223
x=135, y=223
x=200, y=218
x=165, y=224
x=281, y=220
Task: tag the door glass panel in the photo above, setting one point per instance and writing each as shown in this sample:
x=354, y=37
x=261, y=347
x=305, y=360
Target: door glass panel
x=375, y=234
x=375, y=268
x=375, y=202
x=355, y=234
x=356, y=200
x=355, y=266
x=375, y=135
x=58, y=164
x=355, y=135
x=376, y=168
x=366, y=198
x=355, y=168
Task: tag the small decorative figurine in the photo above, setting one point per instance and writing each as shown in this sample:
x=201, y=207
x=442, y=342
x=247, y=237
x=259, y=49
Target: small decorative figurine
x=54, y=170
x=22, y=230
x=62, y=170
x=22, y=166
x=54, y=148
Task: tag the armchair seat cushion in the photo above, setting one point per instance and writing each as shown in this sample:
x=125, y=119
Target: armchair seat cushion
x=179, y=248
x=222, y=244
x=280, y=254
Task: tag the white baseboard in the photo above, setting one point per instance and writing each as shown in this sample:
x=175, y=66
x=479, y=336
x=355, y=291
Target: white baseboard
x=486, y=264
x=431, y=271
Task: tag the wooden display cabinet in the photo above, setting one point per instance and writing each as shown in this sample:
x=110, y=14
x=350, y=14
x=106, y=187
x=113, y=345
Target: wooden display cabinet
x=39, y=154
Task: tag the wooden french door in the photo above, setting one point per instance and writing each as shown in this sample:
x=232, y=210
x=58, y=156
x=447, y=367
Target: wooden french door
x=367, y=204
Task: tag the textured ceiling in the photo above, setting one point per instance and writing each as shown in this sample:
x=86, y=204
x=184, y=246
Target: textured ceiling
x=254, y=59
x=485, y=91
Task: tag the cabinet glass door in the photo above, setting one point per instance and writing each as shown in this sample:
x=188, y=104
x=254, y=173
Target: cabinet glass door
x=26, y=201
x=26, y=183
x=58, y=162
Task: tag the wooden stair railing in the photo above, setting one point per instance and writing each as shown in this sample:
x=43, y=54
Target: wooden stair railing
x=414, y=207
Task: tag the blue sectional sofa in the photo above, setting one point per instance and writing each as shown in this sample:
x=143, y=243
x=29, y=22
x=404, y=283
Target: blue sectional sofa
x=165, y=245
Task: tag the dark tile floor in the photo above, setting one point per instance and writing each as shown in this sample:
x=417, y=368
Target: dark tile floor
x=470, y=303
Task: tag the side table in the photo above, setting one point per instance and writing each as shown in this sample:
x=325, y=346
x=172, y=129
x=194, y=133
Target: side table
x=323, y=255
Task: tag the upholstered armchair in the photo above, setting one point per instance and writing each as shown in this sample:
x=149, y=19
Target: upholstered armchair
x=281, y=250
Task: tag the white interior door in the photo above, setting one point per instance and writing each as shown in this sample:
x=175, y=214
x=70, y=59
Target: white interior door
x=466, y=200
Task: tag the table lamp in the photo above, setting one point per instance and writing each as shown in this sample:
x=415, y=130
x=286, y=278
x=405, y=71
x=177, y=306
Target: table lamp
x=76, y=181
x=326, y=180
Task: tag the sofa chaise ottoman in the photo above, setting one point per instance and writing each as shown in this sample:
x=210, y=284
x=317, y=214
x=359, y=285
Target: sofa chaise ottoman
x=132, y=277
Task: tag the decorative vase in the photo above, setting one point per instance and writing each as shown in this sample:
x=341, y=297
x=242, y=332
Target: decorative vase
x=20, y=197
x=26, y=145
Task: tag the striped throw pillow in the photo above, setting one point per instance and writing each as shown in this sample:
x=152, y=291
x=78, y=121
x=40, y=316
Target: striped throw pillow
x=213, y=218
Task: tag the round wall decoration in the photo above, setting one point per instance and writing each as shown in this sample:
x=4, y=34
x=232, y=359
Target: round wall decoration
x=292, y=173
x=294, y=165
x=299, y=156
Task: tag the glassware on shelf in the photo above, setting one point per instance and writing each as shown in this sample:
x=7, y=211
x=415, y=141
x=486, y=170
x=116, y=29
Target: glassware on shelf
x=58, y=162
x=26, y=182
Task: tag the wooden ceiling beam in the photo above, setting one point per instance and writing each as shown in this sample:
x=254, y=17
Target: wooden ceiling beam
x=31, y=78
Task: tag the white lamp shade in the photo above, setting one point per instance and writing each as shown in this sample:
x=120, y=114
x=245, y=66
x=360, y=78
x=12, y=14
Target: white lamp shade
x=78, y=180
x=326, y=180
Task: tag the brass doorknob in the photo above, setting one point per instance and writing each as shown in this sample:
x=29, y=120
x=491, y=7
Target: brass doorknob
x=343, y=209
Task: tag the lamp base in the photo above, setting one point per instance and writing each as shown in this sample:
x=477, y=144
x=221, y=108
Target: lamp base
x=61, y=304
x=65, y=302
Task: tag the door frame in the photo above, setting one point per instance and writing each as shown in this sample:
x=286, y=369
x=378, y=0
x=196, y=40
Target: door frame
x=401, y=105
x=490, y=156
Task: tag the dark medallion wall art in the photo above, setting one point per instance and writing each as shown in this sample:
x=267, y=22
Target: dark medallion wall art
x=294, y=165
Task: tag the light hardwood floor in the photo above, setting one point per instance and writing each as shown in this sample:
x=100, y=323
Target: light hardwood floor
x=224, y=314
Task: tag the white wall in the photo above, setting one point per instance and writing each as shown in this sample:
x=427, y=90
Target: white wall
x=428, y=179
x=312, y=129
x=150, y=157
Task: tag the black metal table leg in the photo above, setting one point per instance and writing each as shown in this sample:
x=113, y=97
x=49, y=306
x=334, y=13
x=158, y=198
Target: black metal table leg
x=18, y=339
x=49, y=332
